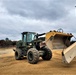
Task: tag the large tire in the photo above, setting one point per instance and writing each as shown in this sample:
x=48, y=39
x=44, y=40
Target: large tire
x=47, y=54
x=18, y=54
x=33, y=56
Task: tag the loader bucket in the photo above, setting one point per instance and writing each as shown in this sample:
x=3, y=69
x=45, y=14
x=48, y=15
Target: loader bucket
x=57, y=40
x=69, y=53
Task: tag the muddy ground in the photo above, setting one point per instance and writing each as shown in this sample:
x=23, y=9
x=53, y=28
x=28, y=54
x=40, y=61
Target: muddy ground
x=10, y=66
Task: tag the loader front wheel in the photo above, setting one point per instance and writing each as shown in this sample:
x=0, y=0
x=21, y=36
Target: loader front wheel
x=33, y=56
x=47, y=54
x=18, y=54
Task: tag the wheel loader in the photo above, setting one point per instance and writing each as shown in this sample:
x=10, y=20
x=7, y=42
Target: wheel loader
x=34, y=45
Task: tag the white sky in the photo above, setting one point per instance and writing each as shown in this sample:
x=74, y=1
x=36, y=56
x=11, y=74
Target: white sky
x=39, y=16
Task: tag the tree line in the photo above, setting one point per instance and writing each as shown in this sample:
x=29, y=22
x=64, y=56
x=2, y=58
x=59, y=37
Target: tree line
x=7, y=43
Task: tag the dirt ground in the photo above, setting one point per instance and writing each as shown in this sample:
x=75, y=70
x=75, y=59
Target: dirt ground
x=10, y=66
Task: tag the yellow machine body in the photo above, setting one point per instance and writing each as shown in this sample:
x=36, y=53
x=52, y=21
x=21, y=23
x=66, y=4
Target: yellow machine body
x=61, y=41
x=57, y=40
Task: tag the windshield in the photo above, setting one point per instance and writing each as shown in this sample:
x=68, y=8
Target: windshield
x=30, y=37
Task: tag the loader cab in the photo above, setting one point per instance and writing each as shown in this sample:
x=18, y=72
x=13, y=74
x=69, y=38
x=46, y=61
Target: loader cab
x=28, y=37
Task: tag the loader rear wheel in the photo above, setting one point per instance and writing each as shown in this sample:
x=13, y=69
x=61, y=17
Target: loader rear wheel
x=33, y=56
x=47, y=54
x=18, y=54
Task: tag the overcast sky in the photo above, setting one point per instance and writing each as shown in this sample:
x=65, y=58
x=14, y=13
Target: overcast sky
x=39, y=16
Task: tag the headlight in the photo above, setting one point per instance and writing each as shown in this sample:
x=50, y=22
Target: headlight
x=30, y=43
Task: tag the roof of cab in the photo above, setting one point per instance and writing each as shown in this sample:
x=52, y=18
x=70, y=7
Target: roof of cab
x=28, y=32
